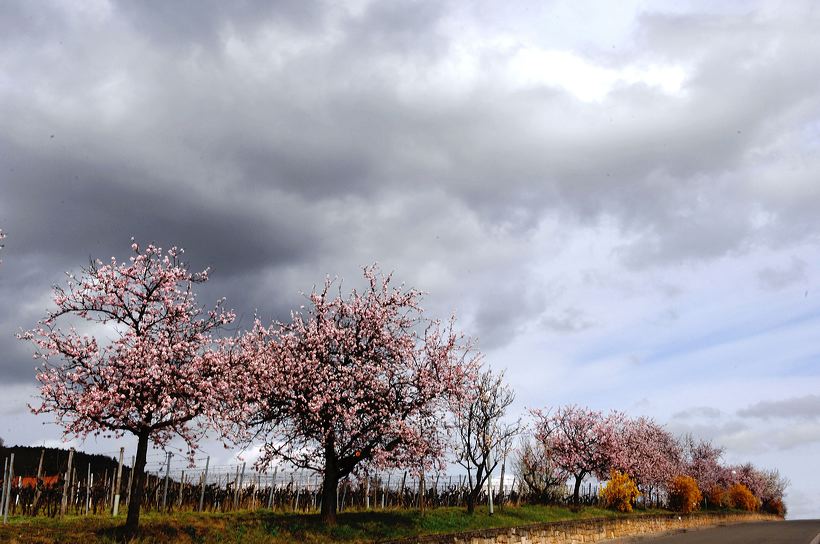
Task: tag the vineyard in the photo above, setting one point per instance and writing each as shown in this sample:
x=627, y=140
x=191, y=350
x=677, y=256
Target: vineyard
x=173, y=486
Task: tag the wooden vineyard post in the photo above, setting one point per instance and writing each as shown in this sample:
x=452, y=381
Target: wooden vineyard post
x=204, y=482
x=385, y=490
x=401, y=489
x=239, y=487
x=435, y=489
x=367, y=492
x=117, y=485
x=88, y=489
x=235, y=486
x=3, y=488
x=130, y=479
x=165, y=488
x=75, y=485
x=421, y=491
x=272, y=487
x=298, y=490
x=181, y=489
x=7, y=490
x=38, y=493
x=67, y=483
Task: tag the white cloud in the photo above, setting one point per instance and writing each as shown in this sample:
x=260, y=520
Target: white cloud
x=531, y=67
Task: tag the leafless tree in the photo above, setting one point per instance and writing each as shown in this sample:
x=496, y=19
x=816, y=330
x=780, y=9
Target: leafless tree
x=482, y=431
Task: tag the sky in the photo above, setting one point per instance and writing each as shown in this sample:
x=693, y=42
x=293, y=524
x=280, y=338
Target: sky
x=618, y=200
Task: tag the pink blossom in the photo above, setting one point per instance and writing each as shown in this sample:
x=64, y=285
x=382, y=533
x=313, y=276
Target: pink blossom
x=161, y=374
x=363, y=380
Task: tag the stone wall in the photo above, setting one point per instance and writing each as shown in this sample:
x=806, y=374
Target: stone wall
x=590, y=530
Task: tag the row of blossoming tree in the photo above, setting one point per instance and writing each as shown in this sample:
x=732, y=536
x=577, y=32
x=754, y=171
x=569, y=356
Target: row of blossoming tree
x=577, y=442
x=357, y=380
x=353, y=382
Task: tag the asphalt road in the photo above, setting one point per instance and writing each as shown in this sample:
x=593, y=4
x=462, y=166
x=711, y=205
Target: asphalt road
x=775, y=532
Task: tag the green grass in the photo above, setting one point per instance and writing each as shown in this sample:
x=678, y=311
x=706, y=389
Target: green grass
x=268, y=527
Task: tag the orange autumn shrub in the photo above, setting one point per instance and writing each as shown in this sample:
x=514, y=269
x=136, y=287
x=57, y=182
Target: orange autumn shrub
x=717, y=497
x=684, y=495
x=620, y=492
x=740, y=497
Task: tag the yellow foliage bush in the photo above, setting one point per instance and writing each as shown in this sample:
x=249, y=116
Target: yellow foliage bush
x=684, y=495
x=620, y=492
x=740, y=497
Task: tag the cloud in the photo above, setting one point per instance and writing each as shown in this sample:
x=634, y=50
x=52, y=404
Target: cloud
x=570, y=320
x=698, y=412
x=800, y=408
x=755, y=440
x=778, y=278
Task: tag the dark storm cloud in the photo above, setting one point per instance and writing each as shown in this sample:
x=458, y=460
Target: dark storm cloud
x=198, y=22
x=281, y=141
x=502, y=312
x=403, y=27
x=59, y=205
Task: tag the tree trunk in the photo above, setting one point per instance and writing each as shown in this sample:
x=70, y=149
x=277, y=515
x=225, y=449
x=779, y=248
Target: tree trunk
x=330, y=484
x=475, y=491
x=576, y=495
x=138, y=489
x=472, y=499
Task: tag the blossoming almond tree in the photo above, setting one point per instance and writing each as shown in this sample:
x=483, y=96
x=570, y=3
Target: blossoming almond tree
x=701, y=461
x=360, y=380
x=158, y=373
x=766, y=485
x=581, y=441
x=649, y=453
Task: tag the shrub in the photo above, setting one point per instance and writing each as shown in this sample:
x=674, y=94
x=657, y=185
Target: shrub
x=717, y=497
x=684, y=495
x=740, y=497
x=620, y=492
x=774, y=506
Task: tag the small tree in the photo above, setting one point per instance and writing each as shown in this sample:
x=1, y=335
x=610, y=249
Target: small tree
x=583, y=442
x=620, y=492
x=701, y=460
x=359, y=380
x=544, y=480
x=161, y=371
x=717, y=497
x=481, y=432
x=684, y=495
x=772, y=491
